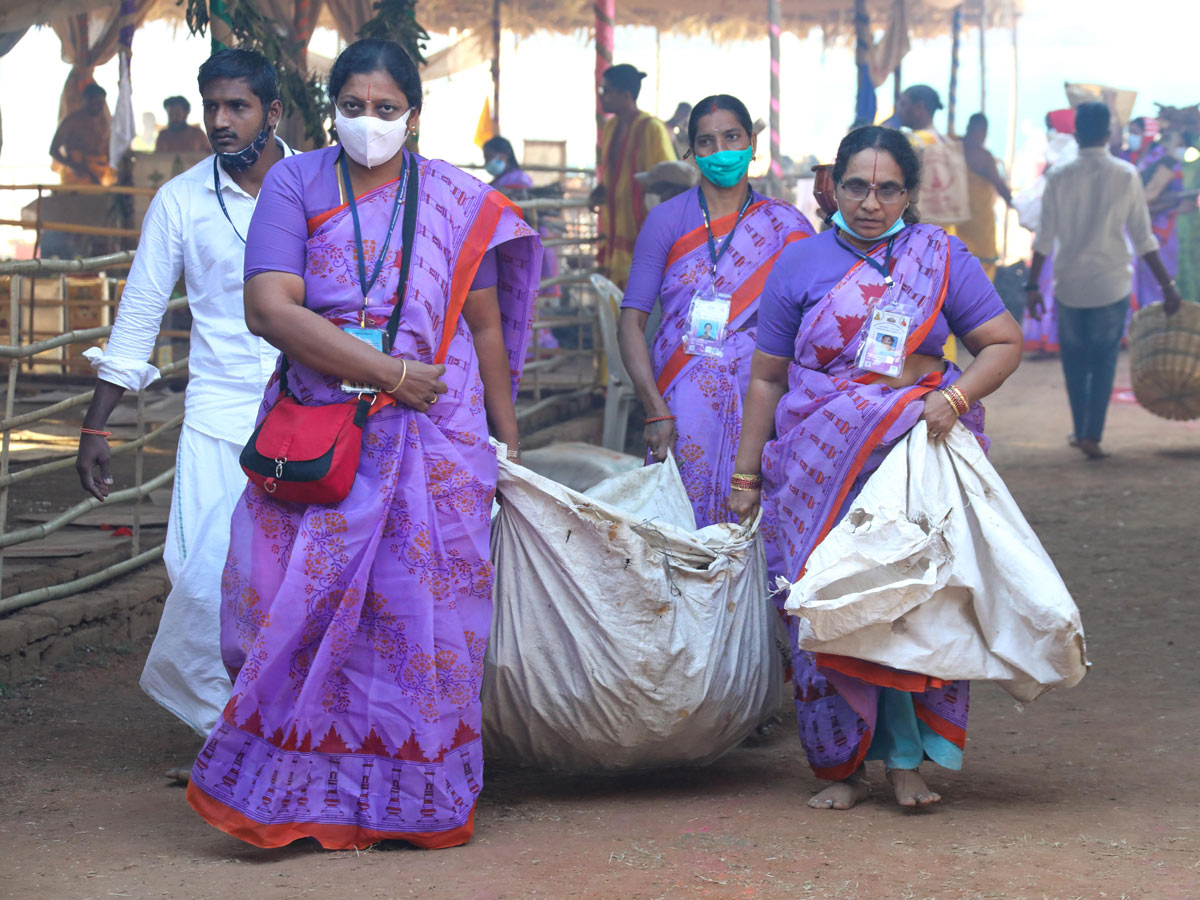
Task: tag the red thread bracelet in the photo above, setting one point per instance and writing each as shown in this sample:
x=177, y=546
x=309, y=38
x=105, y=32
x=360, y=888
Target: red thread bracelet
x=654, y=419
x=95, y=431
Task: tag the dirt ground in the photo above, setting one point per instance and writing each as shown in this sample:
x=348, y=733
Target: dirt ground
x=1087, y=793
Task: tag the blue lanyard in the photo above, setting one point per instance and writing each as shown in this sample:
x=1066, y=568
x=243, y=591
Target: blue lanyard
x=362, y=268
x=221, y=200
x=883, y=268
x=713, y=253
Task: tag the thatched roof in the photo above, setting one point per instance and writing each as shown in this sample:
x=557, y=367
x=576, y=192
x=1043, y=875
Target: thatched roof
x=722, y=19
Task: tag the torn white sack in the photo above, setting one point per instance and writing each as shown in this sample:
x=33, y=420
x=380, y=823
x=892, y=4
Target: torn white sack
x=934, y=570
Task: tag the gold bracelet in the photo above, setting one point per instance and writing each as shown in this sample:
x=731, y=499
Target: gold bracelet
x=403, y=375
x=740, y=487
x=957, y=400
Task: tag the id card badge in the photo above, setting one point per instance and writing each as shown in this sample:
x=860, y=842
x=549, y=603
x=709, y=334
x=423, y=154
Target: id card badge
x=372, y=337
x=883, y=349
x=708, y=320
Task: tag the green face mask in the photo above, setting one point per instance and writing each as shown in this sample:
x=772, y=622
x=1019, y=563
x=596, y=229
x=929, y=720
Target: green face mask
x=725, y=168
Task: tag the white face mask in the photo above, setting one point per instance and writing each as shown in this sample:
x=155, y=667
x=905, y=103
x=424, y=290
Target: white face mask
x=369, y=140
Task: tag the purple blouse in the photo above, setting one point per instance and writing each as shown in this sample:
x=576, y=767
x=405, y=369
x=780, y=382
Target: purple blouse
x=808, y=270
x=664, y=225
x=300, y=188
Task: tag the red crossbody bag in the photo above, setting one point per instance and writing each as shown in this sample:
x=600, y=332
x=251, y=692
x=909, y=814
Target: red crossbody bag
x=310, y=454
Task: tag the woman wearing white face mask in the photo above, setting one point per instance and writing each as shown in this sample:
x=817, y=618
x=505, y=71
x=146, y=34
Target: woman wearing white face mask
x=356, y=629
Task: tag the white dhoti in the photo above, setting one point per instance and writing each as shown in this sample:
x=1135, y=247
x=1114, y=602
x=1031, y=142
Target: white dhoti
x=184, y=671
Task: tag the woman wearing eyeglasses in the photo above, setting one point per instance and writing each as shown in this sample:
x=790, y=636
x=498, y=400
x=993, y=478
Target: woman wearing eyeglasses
x=823, y=409
x=705, y=255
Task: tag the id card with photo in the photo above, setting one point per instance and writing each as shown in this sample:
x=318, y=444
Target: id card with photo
x=372, y=337
x=883, y=349
x=708, y=320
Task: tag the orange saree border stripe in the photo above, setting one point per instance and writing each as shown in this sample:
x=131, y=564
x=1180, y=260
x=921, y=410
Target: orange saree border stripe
x=918, y=390
x=698, y=237
x=848, y=768
x=321, y=218
x=872, y=673
x=955, y=734
x=750, y=291
x=331, y=837
x=475, y=245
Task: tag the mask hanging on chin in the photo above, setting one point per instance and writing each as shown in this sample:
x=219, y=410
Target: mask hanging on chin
x=248, y=155
x=840, y=221
x=369, y=140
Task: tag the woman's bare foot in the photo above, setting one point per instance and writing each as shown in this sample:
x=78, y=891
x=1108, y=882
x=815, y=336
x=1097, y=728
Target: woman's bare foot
x=911, y=789
x=843, y=794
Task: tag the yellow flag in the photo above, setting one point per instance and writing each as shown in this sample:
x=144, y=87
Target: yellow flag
x=486, y=129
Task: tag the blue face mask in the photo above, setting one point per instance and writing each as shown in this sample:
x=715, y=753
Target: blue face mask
x=495, y=166
x=248, y=155
x=725, y=168
x=1135, y=142
x=840, y=221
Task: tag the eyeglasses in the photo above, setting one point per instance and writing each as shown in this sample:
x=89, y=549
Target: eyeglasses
x=857, y=189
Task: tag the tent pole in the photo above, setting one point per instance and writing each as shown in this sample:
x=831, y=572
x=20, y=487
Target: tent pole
x=496, y=65
x=1011, y=150
x=605, y=18
x=774, y=27
x=657, y=73
x=955, y=42
x=983, y=56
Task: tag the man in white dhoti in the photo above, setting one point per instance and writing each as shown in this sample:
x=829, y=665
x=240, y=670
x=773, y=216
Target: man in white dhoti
x=196, y=226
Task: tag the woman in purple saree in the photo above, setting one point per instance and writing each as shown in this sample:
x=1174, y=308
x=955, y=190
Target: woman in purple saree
x=832, y=423
x=693, y=401
x=355, y=632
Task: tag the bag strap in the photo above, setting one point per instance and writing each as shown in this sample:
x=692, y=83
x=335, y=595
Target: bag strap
x=408, y=234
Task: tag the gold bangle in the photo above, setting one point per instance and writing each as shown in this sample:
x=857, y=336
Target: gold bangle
x=403, y=375
x=742, y=487
x=957, y=400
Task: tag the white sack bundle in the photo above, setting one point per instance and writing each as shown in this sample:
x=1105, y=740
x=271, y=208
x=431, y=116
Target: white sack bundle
x=934, y=570
x=623, y=638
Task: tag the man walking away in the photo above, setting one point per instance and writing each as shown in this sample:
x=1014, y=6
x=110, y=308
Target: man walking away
x=196, y=226
x=1089, y=206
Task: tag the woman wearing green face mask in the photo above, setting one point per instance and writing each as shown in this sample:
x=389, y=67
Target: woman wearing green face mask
x=705, y=254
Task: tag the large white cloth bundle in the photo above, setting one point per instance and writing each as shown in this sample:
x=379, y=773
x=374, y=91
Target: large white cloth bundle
x=934, y=570
x=623, y=638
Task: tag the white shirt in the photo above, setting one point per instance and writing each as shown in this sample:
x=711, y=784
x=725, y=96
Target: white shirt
x=1089, y=206
x=185, y=232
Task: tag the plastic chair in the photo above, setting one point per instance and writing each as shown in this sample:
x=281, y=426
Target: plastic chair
x=619, y=392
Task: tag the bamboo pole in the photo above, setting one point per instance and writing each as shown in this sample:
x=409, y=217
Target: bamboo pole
x=983, y=20
x=1011, y=149
x=34, y=532
x=496, y=34
x=91, y=264
x=14, y=318
x=59, y=464
x=774, y=28
x=54, y=592
x=606, y=12
x=955, y=46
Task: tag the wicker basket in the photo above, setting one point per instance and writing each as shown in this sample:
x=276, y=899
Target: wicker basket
x=1164, y=358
